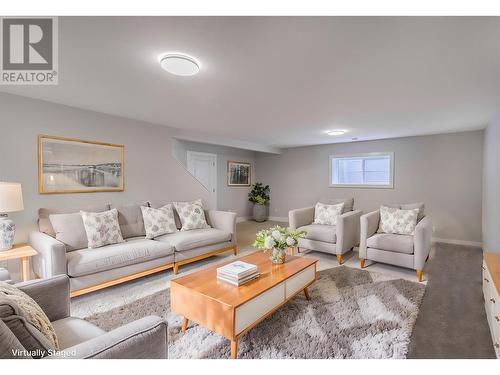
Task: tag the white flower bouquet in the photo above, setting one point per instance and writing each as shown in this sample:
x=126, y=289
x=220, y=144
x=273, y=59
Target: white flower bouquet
x=277, y=240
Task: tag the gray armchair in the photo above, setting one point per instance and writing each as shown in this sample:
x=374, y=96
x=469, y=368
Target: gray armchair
x=338, y=239
x=409, y=251
x=145, y=338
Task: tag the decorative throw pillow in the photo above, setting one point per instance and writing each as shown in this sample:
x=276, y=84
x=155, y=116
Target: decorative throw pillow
x=26, y=320
x=70, y=230
x=396, y=221
x=326, y=214
x=158, y=221
x=102, y=228
x=191, y=214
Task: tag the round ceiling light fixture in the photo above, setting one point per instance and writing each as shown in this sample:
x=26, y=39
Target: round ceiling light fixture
x=180, y=64
x=335, y=132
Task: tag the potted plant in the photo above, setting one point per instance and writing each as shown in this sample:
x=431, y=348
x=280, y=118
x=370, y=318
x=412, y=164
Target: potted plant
x=277, y=240
x=259, y=196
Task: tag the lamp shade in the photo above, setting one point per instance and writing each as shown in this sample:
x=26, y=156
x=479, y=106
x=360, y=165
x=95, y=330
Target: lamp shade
x=11, y=197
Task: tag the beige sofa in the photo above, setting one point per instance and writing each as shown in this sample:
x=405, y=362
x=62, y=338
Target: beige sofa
x=338, y=239
x=66, y=252
x=409, y=251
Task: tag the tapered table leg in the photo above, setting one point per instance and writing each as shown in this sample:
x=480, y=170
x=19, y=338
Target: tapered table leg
x=234, y=349
x=306, y=293
x=25, y=262
x=185, y=323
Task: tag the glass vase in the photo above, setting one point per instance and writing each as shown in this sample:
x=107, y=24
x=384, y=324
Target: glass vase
x=277, y=256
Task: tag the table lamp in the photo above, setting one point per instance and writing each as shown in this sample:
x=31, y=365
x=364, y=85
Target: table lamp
x=11, y=200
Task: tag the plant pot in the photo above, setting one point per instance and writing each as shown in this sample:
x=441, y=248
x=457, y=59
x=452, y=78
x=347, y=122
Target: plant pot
x=259, y=212
x=277, y=256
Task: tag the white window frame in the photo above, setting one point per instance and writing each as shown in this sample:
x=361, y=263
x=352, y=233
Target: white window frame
x=390, y=185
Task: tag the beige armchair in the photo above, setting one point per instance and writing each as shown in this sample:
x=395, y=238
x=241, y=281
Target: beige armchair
x=409, y=251
x=332, y=239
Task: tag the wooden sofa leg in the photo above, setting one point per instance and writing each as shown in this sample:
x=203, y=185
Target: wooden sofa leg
x=339, y=259
x=176, y=268
x=235, y=250
x=419, y=275
x=362, y=263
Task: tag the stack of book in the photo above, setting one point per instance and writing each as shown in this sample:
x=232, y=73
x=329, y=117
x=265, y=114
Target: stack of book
x=237, y=273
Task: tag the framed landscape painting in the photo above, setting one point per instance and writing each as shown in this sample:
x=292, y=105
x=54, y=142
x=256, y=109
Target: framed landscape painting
x=67, y=165
x=238, y=173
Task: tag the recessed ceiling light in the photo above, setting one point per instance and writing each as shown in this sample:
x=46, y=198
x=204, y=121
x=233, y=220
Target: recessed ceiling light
x=335, y=132
x=180, y=64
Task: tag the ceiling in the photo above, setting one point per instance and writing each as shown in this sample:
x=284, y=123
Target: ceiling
x=274, y=82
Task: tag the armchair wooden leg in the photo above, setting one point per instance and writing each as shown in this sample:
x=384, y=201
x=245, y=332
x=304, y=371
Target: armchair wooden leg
x=176, y=268
x=235, y=250
x=362, y=263
x=339, y=259
x=419, y=275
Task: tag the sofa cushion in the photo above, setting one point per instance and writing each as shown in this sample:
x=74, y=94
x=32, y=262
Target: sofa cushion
x=327, y=214
x=397, y=243
x=192, y=215
x=348, y=203
x=158, y=221
x=44, y=224
x=73, y=331
x=410, y=206
x=194, y=238
x=397, y=221
x=132, y=251
x=318, y=232
x=130, y=219
x=69, y=229
x=158, y=204
x=102, y=228
x=26, y=320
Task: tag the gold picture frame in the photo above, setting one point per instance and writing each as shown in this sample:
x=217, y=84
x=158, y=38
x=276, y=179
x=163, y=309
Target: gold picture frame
x=239, y=173
x=71, y=165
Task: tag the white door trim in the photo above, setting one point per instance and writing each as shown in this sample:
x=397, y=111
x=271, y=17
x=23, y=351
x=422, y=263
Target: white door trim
x=192, y=154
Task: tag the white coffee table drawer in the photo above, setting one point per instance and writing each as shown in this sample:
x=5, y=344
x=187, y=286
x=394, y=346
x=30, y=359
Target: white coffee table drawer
x=253, y=310
x=299, y=281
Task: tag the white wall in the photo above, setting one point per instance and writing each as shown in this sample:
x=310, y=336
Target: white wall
x=491, y=186
x=151, y=172
x=443, y=171
x=229, y=198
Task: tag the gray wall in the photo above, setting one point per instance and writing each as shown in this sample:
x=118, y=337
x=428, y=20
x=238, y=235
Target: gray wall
x=444, y=171
x=229, y=198
x=491, y=186
x=151, y=172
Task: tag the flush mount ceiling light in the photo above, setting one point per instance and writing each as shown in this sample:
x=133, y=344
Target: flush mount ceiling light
x=179, y=64
x=335, y=132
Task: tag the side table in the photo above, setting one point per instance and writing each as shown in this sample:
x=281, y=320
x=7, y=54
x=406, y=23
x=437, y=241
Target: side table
x=22, y=252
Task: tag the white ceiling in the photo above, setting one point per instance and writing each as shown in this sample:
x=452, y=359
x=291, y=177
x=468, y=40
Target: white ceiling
x=282, y=82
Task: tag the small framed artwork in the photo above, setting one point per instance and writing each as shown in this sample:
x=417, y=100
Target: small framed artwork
x=67, y=165
x=238, y=173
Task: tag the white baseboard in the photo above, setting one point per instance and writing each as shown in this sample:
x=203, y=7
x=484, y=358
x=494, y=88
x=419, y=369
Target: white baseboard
x=457, y=242
x=281, y=219
x=240, y=219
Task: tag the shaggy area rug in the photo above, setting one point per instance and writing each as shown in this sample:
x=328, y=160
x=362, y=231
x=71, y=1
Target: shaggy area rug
x=352, y=314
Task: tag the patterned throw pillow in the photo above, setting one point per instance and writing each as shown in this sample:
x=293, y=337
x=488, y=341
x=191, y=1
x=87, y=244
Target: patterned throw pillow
x=158, y=221
x=191, y=214
x=102, y=228
x=326, y=214
x=396, y=221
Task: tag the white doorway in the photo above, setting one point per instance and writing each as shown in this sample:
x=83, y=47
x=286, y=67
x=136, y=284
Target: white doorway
x=203, y=167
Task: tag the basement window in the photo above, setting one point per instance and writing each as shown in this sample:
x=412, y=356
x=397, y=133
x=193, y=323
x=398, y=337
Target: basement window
x=371, y=170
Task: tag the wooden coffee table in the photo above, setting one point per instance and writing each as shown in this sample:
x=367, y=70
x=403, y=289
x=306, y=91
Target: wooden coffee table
x=232, y=311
